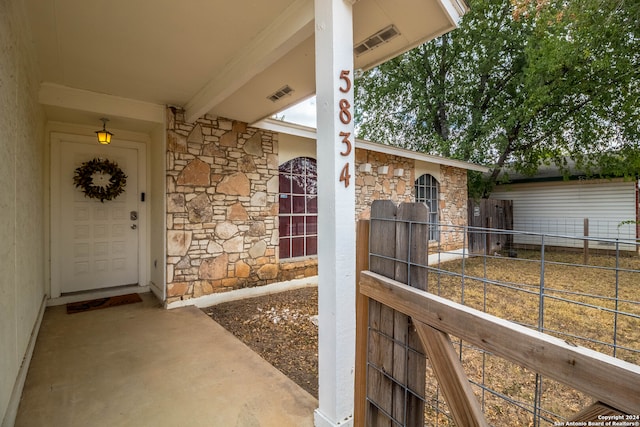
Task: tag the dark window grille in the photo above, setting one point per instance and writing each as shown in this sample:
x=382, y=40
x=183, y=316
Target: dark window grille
x=298, y=208
x=428, y=191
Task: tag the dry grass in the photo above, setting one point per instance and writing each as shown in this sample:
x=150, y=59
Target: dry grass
x=510, y=288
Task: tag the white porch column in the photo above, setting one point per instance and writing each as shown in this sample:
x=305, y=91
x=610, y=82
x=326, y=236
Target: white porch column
x=336, y=211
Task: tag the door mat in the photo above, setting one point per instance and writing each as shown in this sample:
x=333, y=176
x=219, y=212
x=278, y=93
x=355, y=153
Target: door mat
x=96, y=304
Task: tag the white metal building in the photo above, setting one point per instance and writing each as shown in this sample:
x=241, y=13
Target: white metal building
x=555, y=206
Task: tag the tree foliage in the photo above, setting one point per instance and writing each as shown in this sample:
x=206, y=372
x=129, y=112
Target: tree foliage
x=518, y=84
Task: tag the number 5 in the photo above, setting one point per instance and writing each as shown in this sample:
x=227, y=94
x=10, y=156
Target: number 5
x=344, y=75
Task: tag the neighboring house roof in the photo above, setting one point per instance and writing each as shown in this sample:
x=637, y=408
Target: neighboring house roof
x=309, y=132
x=551, y=173
x=544, y=173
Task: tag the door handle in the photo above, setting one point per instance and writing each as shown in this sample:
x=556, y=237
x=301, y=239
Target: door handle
x=134, y=226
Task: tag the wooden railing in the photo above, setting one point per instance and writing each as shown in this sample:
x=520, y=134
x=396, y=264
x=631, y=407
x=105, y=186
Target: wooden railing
x=611, y=381
x=399, y=327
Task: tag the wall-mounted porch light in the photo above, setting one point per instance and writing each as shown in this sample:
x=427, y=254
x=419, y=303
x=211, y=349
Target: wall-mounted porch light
x=104, y=136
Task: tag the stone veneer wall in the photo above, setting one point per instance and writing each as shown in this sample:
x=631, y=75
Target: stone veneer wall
x=298, y=268
x=453, y=207
x=375, y=185
x=222, y=206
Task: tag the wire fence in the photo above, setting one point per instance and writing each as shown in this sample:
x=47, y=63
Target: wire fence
x=584, y=290
x=589, y=299
x=605, y=231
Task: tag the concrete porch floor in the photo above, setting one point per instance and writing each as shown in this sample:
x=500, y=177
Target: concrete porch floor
x=142, y=365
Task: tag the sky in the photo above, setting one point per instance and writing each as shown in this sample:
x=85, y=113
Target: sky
x=303, y=113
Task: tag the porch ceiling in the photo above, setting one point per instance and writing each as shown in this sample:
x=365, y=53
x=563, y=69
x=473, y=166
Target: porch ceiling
x=213, y=56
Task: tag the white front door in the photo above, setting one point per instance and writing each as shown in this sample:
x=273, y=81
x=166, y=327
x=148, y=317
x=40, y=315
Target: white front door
x=95, y=244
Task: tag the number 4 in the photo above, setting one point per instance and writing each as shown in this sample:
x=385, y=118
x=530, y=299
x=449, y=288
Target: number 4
x=345, y=175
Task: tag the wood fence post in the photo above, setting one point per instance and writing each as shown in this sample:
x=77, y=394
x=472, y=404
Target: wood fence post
x=412, y=245
x=488, y=248
x=362, y=321
x=586, y=242
x=380, y=347
x=398, y=250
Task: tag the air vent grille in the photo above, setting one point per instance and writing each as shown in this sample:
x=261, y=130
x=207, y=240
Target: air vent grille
x=280, y=93
x=381, y=37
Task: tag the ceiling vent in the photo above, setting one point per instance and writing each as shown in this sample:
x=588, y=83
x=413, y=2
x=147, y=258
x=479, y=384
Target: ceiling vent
x=282, y=92
x=379, y=38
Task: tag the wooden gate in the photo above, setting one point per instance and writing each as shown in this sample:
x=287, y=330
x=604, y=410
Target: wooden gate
x=400, y=326
x=490, y=214
x=396, y=364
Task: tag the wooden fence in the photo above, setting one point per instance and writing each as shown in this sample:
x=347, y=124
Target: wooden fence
x=401, y=327
x=491, y=214
x=395, y=380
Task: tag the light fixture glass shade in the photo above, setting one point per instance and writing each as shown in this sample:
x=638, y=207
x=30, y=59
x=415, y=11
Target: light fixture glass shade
x=104, y=136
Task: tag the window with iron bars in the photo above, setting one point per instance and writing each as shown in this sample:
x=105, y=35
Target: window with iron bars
x=298, y=208
x=428, y=191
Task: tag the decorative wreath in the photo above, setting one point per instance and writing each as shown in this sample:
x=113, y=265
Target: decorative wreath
x=85, y=176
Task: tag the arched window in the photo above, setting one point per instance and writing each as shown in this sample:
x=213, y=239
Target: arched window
x=298, y=212
x=427, y=191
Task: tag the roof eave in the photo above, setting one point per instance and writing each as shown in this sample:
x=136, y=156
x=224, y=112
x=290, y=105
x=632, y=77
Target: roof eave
x=310, y=133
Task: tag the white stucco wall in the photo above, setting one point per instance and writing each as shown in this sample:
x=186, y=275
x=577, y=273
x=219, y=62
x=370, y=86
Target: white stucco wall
x=428, y=168
x=157, y=216
x=22, y=285
x=291, y=146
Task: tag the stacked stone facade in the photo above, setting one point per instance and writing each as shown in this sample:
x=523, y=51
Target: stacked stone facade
x=452, y=207
x=222, y=193
x=222, y=205
x=298, y=268
x=381, y=184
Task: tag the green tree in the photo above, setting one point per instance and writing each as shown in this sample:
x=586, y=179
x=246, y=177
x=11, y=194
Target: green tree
x=519, y=84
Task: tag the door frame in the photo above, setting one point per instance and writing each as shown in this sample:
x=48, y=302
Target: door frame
x=55, y=197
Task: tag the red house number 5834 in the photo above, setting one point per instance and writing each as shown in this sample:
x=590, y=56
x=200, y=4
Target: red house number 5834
x=345, y=118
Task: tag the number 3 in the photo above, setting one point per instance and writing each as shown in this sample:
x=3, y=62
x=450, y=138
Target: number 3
x=345, y=140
